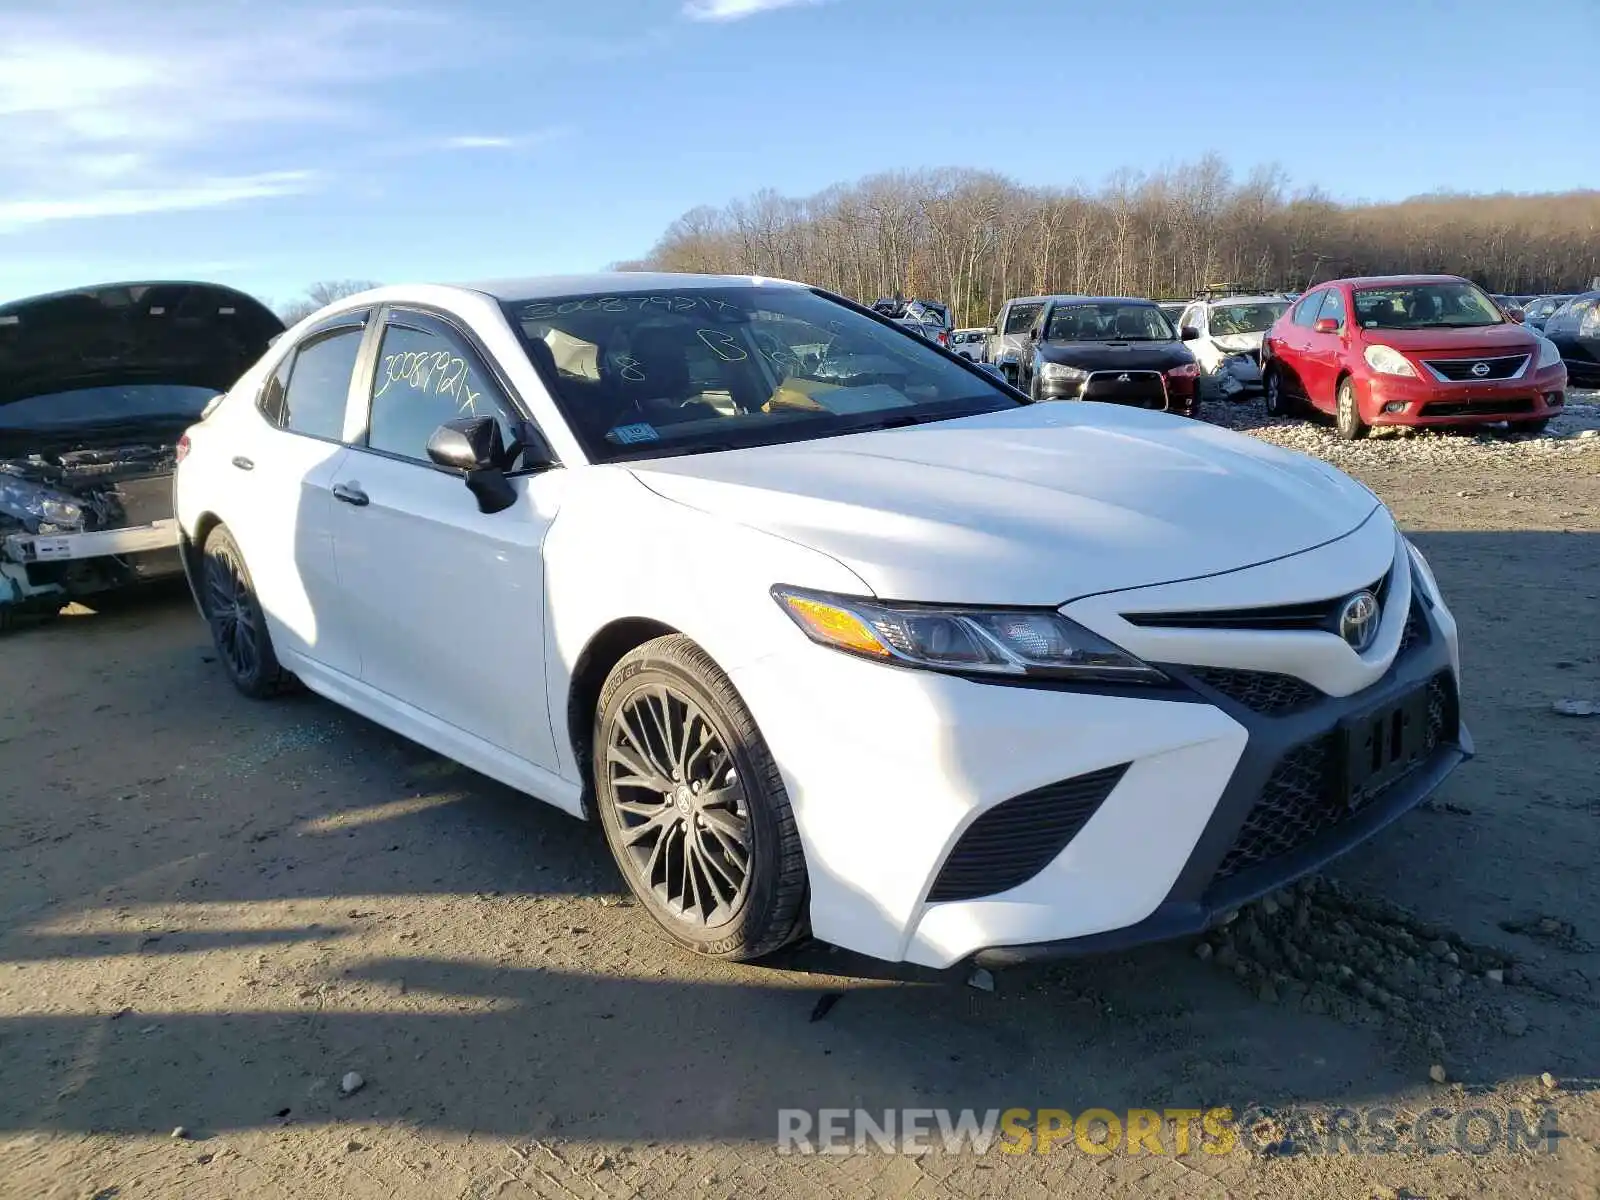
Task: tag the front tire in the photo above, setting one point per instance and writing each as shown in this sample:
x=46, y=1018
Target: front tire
x=238, y=626
x=1348, y=420
x=693, y=806
x=1531, y=428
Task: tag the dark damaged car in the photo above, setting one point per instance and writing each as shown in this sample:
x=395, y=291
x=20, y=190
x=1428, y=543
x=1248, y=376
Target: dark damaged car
x=97, y=386
x=1119, y=350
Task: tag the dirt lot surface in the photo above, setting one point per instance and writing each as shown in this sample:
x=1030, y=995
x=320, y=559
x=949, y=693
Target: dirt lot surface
x=212, y=910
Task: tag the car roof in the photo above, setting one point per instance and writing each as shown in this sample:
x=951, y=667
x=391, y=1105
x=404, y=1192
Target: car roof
x=545, y=286
x=1101, y=300
x=1366, y=281
x=1273, y=299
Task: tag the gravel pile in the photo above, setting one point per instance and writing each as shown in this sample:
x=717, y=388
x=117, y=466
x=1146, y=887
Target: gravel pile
x=1321, y=948
x=1575, y=432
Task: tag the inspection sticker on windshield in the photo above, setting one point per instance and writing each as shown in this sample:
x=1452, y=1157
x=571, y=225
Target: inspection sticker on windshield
x=629, y=434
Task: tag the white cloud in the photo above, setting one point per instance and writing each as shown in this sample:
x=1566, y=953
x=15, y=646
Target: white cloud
x=479, y=141
x=20, y=213
x=105, y=110
x=735, y=10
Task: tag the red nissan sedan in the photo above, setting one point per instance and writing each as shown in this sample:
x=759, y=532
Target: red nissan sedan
x=1410, y=350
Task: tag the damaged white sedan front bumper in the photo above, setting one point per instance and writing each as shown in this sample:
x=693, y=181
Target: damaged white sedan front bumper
x=26, y=548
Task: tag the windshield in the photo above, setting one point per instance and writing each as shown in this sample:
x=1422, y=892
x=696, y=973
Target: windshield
x=1426, y=306
x=154, y=402
x=1230, y=319
x=1021, y=317
x=1108, y=322
x=641, y=374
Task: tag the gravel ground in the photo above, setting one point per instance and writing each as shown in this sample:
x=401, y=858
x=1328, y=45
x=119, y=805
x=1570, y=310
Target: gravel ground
x=213, y=911
x=1572, y=437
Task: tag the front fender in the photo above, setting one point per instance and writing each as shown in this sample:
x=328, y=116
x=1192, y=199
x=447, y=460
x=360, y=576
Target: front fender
x=619, y=551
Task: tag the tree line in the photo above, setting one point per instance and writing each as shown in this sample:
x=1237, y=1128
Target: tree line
x=973, y=238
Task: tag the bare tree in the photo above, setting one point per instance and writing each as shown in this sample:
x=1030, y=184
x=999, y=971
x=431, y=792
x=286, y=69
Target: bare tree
x=320, y=295
x=974, y=238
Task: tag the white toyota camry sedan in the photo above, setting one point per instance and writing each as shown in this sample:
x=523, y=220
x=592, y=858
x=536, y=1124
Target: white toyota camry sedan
x=829, y=630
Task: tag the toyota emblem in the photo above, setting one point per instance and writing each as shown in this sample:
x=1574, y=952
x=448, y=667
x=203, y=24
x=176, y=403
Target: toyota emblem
x=1480, y=369
x=1123, y=378
x=1358, y=621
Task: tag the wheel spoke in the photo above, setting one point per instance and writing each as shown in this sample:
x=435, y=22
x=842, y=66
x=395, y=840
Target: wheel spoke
x=640, y=774
x=660, y=822
x=726, y=822
x=716, y=869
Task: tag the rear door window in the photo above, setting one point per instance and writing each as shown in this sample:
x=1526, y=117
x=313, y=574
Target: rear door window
x=314, y=401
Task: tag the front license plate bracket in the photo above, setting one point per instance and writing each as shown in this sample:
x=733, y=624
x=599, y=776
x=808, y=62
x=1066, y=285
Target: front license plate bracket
x=1380, y=745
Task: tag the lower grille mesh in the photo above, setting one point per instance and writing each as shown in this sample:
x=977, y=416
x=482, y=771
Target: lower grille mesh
x=1013, y=841
x=1300, y=801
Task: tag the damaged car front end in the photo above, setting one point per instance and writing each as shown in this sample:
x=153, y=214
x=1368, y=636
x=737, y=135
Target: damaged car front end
x=96, y=389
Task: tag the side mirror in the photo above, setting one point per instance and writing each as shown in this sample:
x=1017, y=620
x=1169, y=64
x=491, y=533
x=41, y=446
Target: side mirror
x=474, y=446
x=991, y=369
x=1516, y=314
x=1326, y=325
x=1033, y=334
x=1189, y=333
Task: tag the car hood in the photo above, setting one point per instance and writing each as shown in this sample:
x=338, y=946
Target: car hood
x=111, y=335
x=1238, y=343
x=1117, y=356
x=1480, y=339
x=1036, y=506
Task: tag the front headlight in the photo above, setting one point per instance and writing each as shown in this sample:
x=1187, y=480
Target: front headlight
x=29, y=501
x=1549, y=354
x=1061, y=373
x=978, y=641
x=1386, y=360
x=1422, y=576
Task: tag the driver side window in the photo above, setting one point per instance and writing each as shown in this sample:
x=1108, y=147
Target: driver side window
x=1305, y=313
x=425, y=376
x=1333, y=307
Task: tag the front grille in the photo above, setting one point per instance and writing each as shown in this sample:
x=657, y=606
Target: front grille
x=1462, y=370
x=1013, y=841
x=1264, y=692
x=1470, y=408
x=1301, y=799
x=1314, y=614
x=1143, y=388
x=1416, y=629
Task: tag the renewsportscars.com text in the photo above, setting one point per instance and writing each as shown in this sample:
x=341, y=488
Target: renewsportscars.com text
x=1166, y=1131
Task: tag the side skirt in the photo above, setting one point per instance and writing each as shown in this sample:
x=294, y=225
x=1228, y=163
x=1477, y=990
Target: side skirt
x=438, y=736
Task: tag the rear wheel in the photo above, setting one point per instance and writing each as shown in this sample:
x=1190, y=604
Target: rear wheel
x=693, y=805
x=238, y=627
x=1273, y=393
x=1348, y=420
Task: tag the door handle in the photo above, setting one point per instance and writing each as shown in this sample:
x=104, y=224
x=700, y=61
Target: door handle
x=243, y=463
x=351, y=493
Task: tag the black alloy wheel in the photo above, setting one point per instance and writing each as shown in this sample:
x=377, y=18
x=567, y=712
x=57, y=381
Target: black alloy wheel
x=681, y=806
x=238, y=626
x=693, y=805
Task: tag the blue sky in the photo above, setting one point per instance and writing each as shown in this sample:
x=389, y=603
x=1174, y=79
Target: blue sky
x=271, y=144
